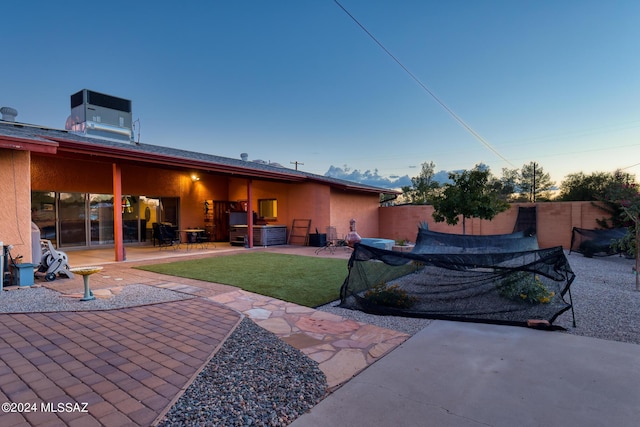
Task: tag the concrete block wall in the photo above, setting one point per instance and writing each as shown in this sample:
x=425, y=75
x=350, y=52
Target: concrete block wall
x=555, y=220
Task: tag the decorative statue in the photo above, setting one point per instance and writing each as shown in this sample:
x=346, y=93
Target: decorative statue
x=353, y=237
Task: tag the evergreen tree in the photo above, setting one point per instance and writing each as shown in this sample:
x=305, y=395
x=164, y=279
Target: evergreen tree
x=424, y=187
x=534, y=183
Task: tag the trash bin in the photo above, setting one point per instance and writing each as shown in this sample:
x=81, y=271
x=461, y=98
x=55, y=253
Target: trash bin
x=318, y=240
x=23, y=274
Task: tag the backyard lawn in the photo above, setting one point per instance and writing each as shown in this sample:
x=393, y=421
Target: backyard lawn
x=302, y=280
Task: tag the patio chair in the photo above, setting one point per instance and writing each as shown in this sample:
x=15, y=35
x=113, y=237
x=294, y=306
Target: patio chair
x=333, y=241
x=165, y=235
x=203, y=238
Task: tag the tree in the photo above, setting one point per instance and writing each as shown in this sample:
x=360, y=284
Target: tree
x=607, y=200
x=424, y=187
x=507, y=185
x=592, y=187
x=470, y=196
x=627, y=196
x=534, y=181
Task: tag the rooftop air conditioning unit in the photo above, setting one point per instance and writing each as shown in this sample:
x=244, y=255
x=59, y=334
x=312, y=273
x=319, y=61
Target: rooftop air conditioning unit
x=98, y=115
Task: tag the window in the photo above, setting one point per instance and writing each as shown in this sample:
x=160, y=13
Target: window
x=268, y=209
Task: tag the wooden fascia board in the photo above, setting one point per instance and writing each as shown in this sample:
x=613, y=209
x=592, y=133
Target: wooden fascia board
x=12, y=143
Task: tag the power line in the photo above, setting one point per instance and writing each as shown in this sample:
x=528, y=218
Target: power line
x=426, y=89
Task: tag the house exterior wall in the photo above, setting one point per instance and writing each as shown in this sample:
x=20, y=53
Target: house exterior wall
x=320, y=203
x=555, y=221
x=15, y=208
x=361, y=207
x=310, y=201
x=295, y=201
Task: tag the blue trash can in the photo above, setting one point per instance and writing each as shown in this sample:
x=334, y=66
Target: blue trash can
x=23, y=274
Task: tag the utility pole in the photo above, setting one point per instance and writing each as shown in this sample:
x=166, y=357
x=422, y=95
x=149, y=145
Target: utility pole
x=533, y=189
x=296, y=163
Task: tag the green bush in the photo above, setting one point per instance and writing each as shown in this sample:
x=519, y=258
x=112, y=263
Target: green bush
x=525, y=287
x=390, y=296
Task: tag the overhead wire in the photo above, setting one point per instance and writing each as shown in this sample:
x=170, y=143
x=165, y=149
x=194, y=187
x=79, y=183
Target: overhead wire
x=426, y=89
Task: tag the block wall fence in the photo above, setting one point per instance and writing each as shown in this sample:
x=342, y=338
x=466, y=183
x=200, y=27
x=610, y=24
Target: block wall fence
x=555, y=220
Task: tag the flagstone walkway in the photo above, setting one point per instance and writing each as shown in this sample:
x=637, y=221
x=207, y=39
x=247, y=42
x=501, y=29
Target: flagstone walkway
x=341, y=347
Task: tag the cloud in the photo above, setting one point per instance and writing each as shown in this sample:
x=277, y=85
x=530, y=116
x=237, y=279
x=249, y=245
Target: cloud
x=367, y=177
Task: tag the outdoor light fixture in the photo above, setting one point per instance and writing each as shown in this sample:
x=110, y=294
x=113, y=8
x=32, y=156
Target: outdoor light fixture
x=195, y=177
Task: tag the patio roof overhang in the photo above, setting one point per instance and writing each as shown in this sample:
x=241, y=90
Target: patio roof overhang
x=51, y=142
x=133, y=155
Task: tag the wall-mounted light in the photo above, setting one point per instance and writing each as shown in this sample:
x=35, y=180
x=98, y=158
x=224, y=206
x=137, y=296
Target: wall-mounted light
x=195, y=177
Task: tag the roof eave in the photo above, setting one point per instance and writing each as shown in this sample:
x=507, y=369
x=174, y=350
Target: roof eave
x=13, y=143
x=88, y=148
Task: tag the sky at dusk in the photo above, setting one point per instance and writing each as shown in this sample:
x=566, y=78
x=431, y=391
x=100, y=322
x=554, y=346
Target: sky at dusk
x=502, y=83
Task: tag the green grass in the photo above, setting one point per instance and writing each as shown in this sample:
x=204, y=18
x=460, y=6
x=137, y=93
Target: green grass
x=303, y=280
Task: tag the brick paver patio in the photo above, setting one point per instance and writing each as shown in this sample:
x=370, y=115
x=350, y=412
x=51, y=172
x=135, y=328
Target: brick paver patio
x=128, y=365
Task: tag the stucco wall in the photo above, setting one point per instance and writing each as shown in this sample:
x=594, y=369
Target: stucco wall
x=361, y=207
x=15, y=208
x=295, y=201
x=310, y=201
x=555, y=221
x=323, y=205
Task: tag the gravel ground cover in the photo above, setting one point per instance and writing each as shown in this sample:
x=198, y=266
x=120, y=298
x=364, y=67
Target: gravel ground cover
x=255, y=379
x=606, y=304
x=40, y=299
x=605, y=299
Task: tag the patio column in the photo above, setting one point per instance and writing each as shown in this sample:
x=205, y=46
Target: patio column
x=117, y=213
x=249, y=214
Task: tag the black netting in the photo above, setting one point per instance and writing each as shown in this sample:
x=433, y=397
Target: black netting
x=595, y=242
x=508, y=287
x=431, y=242
x=526, y=221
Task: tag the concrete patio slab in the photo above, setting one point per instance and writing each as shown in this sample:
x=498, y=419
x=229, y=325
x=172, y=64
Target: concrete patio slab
x=467, y=374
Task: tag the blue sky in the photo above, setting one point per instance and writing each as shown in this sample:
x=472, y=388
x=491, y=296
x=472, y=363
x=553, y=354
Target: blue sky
x=556, y=82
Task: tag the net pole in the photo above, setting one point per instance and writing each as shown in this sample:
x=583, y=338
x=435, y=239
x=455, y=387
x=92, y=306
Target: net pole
x=573, y=313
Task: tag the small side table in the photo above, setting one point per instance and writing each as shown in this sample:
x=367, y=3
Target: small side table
x=85, y=272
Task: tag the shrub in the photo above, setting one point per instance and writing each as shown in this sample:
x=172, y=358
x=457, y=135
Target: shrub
x=525, y=287
x=390, y=296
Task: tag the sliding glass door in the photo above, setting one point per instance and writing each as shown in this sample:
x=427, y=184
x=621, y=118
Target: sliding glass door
x=83, y=219
x=101, y=218
x=72, y=219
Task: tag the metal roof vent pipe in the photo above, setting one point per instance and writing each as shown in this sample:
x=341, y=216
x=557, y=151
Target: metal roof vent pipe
x=8, y=114
x=244, y=156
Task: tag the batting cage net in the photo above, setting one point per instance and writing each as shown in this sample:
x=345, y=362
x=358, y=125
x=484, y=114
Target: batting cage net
x=431, y=242
x=592, y=243
x=499, y=287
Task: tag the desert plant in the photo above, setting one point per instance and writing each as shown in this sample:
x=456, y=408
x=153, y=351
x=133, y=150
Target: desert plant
x=526, y=287
x=390, y=296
